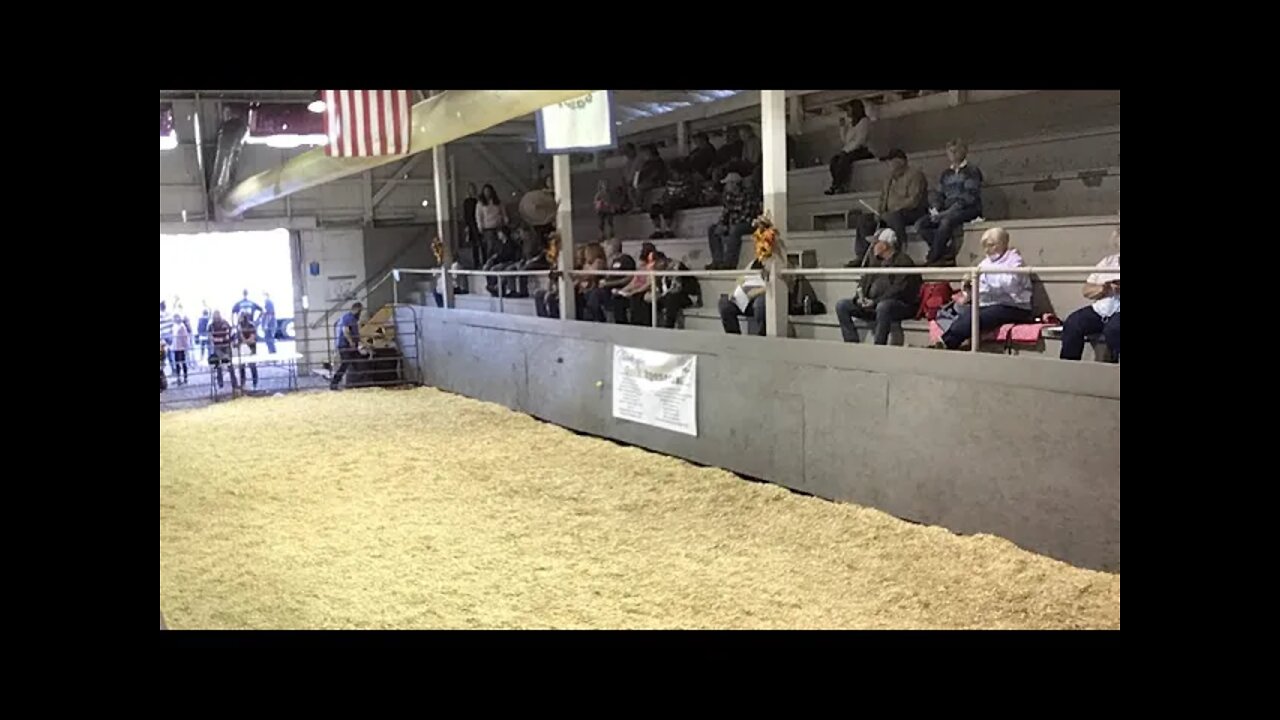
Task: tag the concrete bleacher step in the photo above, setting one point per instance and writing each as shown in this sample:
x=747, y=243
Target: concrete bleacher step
x=1029, y=156
x=1077, y=192
x=692, y=223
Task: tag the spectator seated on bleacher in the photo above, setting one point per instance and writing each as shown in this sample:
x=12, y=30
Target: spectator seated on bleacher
x=674, y=293
x=1102, y=317
x=727, y=154
x=748, y=299
x=681, y=192
x=651, y=182
x=534, y=244
x=886, y=299
x=702, y=158
x=1003, y=298
x=546, y=303
x=504, y=256
x=855, y=127
x=600, y=299
x=957, y=201
x=629, y=306
x=724, y=238
x=903, y=200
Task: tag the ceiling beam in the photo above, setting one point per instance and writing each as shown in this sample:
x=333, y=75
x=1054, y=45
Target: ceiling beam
x=438, y=120
x=401, y=173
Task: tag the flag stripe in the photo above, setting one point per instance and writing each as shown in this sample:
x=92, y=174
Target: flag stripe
x=358, y=112
x=348, y=128
x=384, y=105
x=366, y=123
x=370, y=117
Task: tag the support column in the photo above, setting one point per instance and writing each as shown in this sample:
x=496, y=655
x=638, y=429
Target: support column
x=440, y=183
x=682, y=137
x=795, y=120
x=773, y=136
x=560, y=177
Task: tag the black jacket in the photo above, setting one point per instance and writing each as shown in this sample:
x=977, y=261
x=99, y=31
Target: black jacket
x=897, y=287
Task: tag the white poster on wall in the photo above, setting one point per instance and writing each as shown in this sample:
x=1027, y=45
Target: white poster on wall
x=656, y=388
x=582, y=124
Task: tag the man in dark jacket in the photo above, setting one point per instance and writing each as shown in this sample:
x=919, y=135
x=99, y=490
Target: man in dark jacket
x=886, y=299
x=957, y=201
x=702, y=158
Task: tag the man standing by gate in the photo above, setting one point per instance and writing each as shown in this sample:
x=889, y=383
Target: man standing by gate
x=348, y=343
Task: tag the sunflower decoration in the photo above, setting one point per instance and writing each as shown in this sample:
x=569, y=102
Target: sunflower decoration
x=437, y=247
x=765, y=236
x=553, y=248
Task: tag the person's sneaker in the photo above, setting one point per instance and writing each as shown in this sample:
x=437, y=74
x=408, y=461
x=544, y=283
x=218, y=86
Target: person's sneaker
x=670, y=235
x=712, y=266
x=939, y=345
x=655, y=235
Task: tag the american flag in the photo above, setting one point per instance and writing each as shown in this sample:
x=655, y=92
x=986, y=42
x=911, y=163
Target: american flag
x=363, y=123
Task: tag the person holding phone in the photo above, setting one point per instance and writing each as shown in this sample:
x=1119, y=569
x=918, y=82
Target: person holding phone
x=1103, y=316
x=855, y=127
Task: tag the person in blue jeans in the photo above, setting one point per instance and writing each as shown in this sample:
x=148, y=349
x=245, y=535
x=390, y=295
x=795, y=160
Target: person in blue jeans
x=268, y=321
x=887, y=299
x=725, y=237
x=347, y=344
x=1002, y=298
x=957, y=201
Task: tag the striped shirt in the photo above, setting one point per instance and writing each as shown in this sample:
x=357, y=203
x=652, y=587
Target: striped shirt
x=166, y=325
x=220, y=332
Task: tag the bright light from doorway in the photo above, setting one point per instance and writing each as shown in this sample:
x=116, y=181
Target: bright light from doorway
x=286, y=141
x=317, y=106
x=169, y=142
x=215, y=268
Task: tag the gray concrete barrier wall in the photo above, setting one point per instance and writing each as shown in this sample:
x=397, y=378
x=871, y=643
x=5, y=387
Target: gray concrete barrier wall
x=1023, y=448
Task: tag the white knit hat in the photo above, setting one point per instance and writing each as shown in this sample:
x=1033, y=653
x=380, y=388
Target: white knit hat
x=888, y=236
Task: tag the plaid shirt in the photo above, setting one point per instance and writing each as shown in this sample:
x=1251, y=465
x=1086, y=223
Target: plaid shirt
x=680, y=189
x=738, y=207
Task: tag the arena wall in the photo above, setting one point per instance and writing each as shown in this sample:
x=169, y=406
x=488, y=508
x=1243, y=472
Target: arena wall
x=1024, y=448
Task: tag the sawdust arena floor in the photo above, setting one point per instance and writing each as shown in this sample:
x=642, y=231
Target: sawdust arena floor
x=420, y=509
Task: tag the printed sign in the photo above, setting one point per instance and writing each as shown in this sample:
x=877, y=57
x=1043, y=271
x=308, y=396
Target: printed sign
x=656, y=388
x=581, y=124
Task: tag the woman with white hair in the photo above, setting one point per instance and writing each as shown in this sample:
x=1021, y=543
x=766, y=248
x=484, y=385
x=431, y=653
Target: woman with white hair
x=1003, y=298
x=886, y=299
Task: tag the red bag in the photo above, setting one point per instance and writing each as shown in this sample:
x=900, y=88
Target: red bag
x=933, y=295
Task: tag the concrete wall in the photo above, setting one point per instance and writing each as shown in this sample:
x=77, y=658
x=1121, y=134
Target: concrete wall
x=1024, y=448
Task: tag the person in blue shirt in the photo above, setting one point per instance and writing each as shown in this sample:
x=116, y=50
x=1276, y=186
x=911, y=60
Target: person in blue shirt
x=268, y=323
x=347, y=343
x=246, y=305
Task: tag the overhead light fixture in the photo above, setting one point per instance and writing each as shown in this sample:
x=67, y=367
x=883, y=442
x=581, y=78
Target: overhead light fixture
x=317, y=106
x=426, y=203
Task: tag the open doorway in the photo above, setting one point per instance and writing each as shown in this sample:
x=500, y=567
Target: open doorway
x=213, y=270
x=205, y=272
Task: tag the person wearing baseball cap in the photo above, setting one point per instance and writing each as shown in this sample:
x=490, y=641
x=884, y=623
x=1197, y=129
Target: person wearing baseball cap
x=885, y=299
x=904, y=199
x=725, y=237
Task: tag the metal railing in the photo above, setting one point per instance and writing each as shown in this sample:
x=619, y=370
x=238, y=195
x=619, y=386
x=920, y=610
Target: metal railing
x=208, y=373
x=971, y=274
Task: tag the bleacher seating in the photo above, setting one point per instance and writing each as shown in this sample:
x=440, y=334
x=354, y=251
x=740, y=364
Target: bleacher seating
x=1057, y=194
